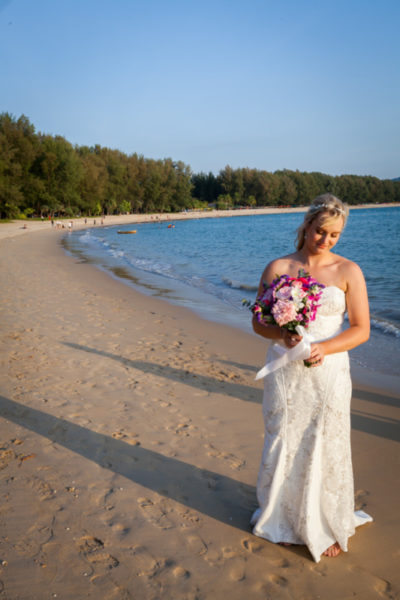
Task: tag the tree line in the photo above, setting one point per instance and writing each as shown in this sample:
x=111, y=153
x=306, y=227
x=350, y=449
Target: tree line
x=256, y=188
x=45, y=175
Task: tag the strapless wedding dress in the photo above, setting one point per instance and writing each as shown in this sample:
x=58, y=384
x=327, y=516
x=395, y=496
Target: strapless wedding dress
x=305, y=485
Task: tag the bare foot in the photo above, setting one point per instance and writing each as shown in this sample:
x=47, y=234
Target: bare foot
x=333, y=550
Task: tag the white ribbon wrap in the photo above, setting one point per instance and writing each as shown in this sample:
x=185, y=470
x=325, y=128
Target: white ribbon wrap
x=300, y=352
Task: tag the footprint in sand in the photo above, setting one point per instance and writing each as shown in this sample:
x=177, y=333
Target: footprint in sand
x=163, y=404
x=213, y=480
x=281, y=563
x=214, y=558
x=33, y=540
x=132, y=442
x=267, y=551
x=43, y=489
x=320, y=569
x=6, y=456
x=181, y=573
x=229, y=558
x=197, y=545
x=278, y=580
x=255, y=546
x=58, y=560
x=237, y=571
x=233, y=461
x=107, y=499
x=145, y=565
x=120, y=529
x=159, y=574
x=252, y=546
x=228, y=552
x=182, y=429
x=155, y=514
x=119, y=435
x=226, y=375
x=92, y=549
x=383, y=587
x=190, y=518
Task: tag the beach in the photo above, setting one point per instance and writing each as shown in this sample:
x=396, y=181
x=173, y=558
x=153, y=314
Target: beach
x=131, y=435
x=14, y=228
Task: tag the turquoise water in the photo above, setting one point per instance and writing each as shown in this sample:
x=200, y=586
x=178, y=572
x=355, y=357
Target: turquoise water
x=211, y=265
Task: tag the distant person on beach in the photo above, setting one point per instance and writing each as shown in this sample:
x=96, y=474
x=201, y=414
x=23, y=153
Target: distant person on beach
x=305, y=485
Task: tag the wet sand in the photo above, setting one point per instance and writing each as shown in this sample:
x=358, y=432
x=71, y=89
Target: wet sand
x=131, y=434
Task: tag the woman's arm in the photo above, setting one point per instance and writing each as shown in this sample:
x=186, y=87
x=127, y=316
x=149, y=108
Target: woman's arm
x=358, y=313
x=267, y=330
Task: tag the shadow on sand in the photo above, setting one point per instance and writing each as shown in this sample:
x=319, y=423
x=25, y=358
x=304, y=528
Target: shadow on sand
x=207, y=492
x=202, y=382
x=385, y=427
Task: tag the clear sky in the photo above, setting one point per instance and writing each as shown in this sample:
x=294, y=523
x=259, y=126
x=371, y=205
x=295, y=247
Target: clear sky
x=312, y=85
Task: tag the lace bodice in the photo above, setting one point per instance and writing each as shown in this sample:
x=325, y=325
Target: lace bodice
x=330, y=314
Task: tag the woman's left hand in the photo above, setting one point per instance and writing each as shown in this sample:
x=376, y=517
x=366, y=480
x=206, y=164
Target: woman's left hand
x=317, y=355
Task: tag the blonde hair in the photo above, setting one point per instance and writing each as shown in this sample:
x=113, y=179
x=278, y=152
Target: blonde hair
x=326, y=203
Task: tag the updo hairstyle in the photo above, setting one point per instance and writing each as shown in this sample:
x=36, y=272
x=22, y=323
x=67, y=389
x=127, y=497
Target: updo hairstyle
x=326, y=203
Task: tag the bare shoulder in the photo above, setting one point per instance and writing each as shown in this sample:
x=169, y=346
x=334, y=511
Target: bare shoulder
x=277, y=267
x=351, y=273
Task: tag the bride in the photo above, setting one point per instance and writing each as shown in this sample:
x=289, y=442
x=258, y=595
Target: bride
x=305, y=483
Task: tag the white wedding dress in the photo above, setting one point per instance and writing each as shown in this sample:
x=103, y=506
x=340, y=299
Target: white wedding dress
x=305, y=484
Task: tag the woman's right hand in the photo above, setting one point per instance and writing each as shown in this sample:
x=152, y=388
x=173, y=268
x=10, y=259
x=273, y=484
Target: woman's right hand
x=290, y=338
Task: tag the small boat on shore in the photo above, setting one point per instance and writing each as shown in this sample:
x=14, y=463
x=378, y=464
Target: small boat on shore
x=133, y=231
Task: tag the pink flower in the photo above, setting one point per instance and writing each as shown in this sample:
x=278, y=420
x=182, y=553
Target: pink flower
x=284, y=293
x=283, y=312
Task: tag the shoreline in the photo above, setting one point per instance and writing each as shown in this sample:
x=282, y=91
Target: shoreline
x=365, y=373
x=132, y=433
x=16, y=227
x=362, y=375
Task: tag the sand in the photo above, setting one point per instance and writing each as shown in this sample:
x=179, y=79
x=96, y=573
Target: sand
x=130, y=440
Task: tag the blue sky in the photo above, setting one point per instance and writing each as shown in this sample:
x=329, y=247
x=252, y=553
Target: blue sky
x=308, y=85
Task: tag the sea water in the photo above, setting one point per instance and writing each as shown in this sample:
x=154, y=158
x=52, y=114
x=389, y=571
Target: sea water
x=212, y=265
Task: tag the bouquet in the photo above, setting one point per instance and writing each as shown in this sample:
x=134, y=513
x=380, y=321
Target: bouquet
x=289, y=302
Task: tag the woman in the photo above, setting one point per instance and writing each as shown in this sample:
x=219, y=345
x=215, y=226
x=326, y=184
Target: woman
x=305, y=484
